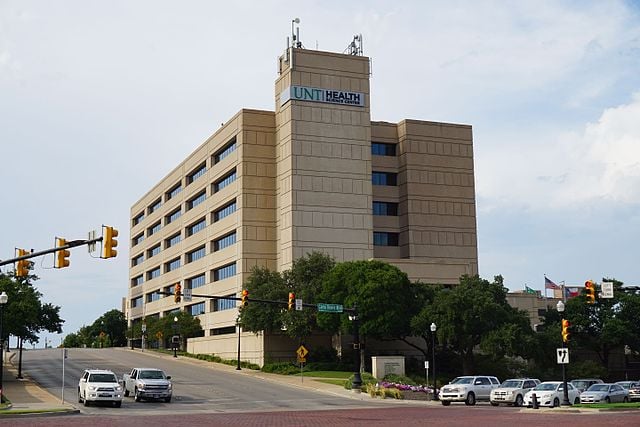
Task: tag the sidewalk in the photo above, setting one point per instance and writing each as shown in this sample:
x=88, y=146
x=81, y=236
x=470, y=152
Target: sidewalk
x=28, y=397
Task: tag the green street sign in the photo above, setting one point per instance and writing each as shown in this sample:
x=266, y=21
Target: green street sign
x=330, y=308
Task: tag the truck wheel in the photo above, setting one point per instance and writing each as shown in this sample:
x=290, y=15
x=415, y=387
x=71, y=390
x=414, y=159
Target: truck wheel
x=126, y=392
x=470, y=400
x=79, y=396
x=556, y=402
x=445, y=403
x=117, y=404
x=86, y=402
x=518, y=401
x=495, y=404
x=136, y=395
x=167, y=399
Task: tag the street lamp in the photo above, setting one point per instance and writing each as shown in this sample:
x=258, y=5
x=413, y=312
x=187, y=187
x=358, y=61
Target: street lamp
x=433, y=328
x=238, y=326
x=565, y=392
x=175, y=328
x=3, y=300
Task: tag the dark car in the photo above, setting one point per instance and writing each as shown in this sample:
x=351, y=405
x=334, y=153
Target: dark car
x=584, y=383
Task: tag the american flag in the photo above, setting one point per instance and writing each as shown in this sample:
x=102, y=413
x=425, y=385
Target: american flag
x=548, y=284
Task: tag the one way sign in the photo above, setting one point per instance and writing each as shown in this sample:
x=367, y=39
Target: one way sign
x=563, y=356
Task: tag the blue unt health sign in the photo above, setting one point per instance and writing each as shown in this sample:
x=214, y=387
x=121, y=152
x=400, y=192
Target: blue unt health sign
x=314, y=94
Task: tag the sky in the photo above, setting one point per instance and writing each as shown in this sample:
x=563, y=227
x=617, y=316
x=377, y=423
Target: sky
x=100, y=100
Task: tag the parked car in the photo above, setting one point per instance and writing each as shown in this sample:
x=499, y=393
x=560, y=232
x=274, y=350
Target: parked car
x=551, y=393
x=605, y=393
x=634, y=392
x=99, y=385
x=584, y=383
x=626, y=384
x=468, y=389
x=512, y=391
x=147, y=383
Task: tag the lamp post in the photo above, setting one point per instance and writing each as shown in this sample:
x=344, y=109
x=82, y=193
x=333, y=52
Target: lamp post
x=433, y=328
x=3, y=300
x=356, y=384
x=565, y=391
x=175, y=328
x=238, y=326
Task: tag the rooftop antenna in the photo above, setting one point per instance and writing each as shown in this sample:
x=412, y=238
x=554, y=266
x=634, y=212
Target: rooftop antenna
x=295, y=35
x=355, y=47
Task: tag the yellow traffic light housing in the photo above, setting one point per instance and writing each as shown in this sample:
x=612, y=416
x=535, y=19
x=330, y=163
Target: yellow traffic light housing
x=245, y=298
x=177, y=293
x=62, y=255
x=565, y=330
x=22, y=266
x=590, y=288
x=109, y=242
x=292, y=300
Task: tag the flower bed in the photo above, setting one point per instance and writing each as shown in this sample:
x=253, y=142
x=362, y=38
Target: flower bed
x=404, y=391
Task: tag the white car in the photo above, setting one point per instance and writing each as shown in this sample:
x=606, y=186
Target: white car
x=468, y=389
x=512, y=391
x=605, y=393
x=99, y=385
x=551, y=393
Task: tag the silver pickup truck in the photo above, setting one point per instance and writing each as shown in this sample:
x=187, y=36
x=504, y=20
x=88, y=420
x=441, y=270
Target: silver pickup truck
x=147, y=383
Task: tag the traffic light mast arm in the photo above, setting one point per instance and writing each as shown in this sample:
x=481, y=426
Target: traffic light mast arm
x=70, y=244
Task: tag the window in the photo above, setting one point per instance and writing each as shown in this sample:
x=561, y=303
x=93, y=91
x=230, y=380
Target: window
x=196, y=309
x=385, y=239
x=385, y=209
x=224, y=211
x=155, y=206
x=224, y=303
x=384, y=178
x=196, y=254
x=197, y=173
x=138, y=218
x=194, y=228
x=172, y=265
x=225, y=181
x=153, y=229
x=196, y=282
x=137, y=281
x=136, y=302
x=152, y=274
x=223, y=331
x=224, y=242
x=173, y=240
x=153, y=251
x=225, y=151
x=170, y=289
x=137, y=240
x=382, y=149
x=174, y=191
x=224, y=272
x=196, y=200
x=173, y=216
x=154, y=296
x=137, y=260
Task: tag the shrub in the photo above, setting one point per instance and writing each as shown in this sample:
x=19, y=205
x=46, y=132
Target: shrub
x=399, y=379
x=367, y=378
x=282, y=368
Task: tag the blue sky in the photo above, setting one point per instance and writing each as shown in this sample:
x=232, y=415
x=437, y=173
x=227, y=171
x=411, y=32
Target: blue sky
x=100, y=100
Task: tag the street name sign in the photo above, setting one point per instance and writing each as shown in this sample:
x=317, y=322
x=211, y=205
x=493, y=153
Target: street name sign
x=330, y=308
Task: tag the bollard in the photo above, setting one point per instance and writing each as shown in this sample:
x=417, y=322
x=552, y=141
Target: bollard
x=534, y=401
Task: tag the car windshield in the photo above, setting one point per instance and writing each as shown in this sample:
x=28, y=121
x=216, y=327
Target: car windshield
x=102, y=378
x=625, y=384
x=152, y=375
x=598, y=387
x=462, y=380
x=512, y=384
x=581, y=384
x=546, y=386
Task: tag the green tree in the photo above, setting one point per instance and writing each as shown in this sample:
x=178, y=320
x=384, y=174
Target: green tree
x=114, y=325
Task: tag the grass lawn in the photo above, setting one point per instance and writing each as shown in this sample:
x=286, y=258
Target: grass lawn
x=631, y=405
x=337, y=382
x=327, y=374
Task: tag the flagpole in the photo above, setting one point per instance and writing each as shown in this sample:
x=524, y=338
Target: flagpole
x=564, y=294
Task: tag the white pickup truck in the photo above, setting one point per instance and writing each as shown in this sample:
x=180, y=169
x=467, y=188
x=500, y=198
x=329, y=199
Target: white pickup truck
x=147, y=383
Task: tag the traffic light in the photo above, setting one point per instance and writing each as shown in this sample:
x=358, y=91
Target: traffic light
x=292, y=300
x=245, y=298
x=565, y=330
x=22, y=266
x=590, y=288
x=109, y=242
x=178, y=293
x=62, y=255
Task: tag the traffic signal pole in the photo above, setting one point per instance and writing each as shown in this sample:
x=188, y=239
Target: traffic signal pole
x=69, y=244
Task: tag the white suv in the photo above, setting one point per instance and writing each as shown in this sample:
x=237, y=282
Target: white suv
x=512, y=391
x=468, y=389
x=98, y=385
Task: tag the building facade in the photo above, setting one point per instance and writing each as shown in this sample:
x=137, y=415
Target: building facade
x=316, y=174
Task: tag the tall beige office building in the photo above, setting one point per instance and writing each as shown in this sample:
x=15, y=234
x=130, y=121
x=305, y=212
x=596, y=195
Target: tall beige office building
x=315, y=175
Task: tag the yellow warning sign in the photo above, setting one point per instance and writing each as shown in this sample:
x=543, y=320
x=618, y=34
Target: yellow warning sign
x=302, y=352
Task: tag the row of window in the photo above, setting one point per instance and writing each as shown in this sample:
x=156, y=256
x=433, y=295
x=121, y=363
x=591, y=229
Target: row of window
x=216, y=216
x=192, y=176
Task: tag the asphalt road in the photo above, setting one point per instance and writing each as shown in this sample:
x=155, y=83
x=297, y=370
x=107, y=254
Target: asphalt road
x=196, y=387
